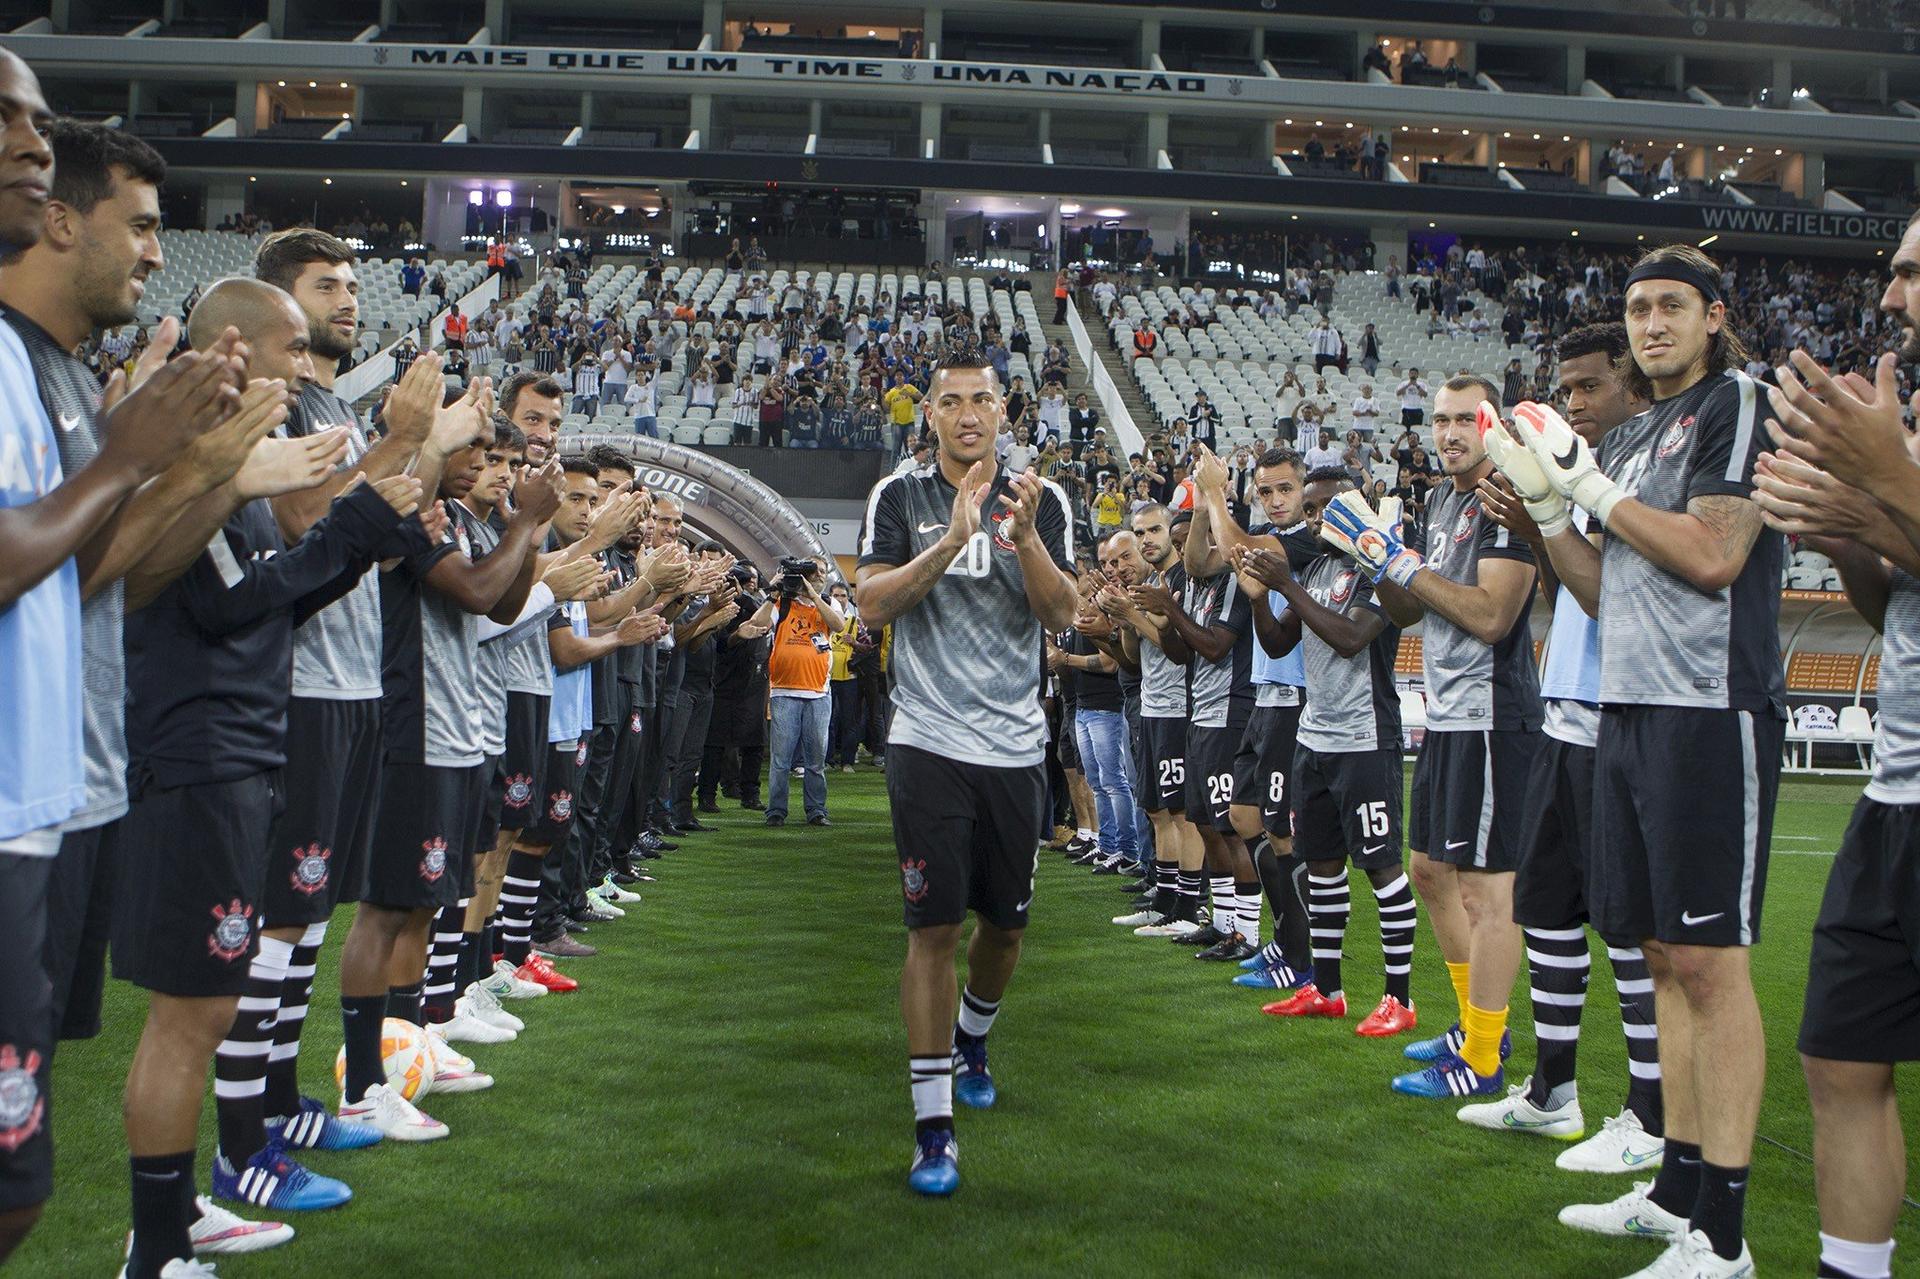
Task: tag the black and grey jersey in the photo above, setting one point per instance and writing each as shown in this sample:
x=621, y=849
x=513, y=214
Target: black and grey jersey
x=530, y=660
x=1896, y=735
x=431, y=710
x=966, y=658
x=1163, y=682
x=1663, y=641
x=1220, y=690
x=490, y=669
x=1472, y=684
x=71, y=394
x=336, y=655
x=1352, y=704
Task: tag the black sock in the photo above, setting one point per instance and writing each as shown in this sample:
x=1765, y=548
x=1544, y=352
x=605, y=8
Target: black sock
x=404, y=1002
x=472, y=968
x=162, y=1212
x=1721, y=1209
x=361, y=1019
x=1676, y=1187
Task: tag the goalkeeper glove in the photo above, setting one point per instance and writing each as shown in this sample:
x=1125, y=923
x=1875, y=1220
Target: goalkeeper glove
x=1350, y=525
x=1516, y=461
x=1565, y=460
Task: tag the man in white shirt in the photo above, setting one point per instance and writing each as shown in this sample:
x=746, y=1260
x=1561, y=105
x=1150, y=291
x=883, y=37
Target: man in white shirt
x=642, y=401
x=1413, y=399
x=615, y=369
x=1322, y=454
x=1022, y=454
x=1366, y=411
x=1327, y=344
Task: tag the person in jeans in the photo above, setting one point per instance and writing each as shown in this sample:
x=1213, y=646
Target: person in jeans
x=642, y=400
x=797, y=672
x=1100, y=735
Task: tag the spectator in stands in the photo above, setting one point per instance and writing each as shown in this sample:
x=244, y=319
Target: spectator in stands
x=1286, y=406
x=1019, y=405
x=413, y=276
x=481, y=353
x=1203, y=420
x=1323, y=454
x=756, y=255
x=1413, y=399
x=403, y=357
x=1050, y=412
x=1375, y=59
x=1414, y=58
x=1358, y=457
x=902, y=400
x=1369, y=350
x=803, y=421
x=1109, y=506
x=1366, y=410
x=1082, y=418
x=641, y=399
x=746, y=409
x=773, y=413
x=1061, y=293
x=836, y=421
x=703, y=388
x=586, y=385
x=736, y=259
x=1145, y=341
x=616, y=368
x=1022, y=453
x=1514, y=386
x=1327, y=344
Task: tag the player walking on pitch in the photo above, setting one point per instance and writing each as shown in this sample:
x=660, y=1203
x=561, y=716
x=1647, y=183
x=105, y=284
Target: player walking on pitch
x=972, y=566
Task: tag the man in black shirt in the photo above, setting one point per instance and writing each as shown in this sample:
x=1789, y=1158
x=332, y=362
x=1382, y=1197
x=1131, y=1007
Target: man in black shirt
x=737, y=729
x=715, y=610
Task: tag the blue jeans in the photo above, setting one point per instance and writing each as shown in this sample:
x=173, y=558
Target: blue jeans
x=1102, y=738
x=799, y=732
x=645, y=426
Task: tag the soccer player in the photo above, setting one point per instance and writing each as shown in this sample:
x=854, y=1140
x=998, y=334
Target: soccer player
x=1688, y=762
x=1860, y=988
x=1346, y=768
x=208, y=674
x=1550, y=888
x=1483, y=726
x=971, y=566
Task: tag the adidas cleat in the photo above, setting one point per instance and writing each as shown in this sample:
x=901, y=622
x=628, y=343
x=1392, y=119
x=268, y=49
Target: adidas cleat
x=313, y=1128
x=1389, y=1017
x=972, y=1081
x=1448, y=1077
x=1275, y=976
x=271, y=1179
x=1308, y=1002
x=1632, y=1216
x=936, y=1163
x=1450, y=1044
x=1516, y=1113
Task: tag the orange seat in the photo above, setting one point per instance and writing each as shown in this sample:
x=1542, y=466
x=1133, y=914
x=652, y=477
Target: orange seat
x=1407, y=660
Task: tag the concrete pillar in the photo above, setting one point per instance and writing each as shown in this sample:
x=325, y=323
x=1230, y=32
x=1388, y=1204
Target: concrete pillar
x=169, y=12
x=226, y=197
x=1879, y=85
x=1782, y=84
x=713, y=21
x=1813, y=177
x=389, y=12
x=1576, y=67
x=141, y=98
x=360, y=104
x=929, y=129
x=700, y=118
x=473, y=112
x=496, y=20
x=61, y=15
x=1149, y=40
x=246, y=108
x=814, y=116
x=1156, y=137
x=1046, y=125
x=1258, y=50
x=1677, y=71
x=1486, y=151
x=276, y=22
x=932, y=28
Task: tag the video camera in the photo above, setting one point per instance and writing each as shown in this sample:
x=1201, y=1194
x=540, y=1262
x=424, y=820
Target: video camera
x=794, y=570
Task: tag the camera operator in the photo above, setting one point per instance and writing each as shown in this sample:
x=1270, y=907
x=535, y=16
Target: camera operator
x=797, y=669
x=737, y=733
x=705, y=616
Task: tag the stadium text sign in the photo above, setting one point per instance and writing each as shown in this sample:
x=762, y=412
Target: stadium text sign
x=1805, y=222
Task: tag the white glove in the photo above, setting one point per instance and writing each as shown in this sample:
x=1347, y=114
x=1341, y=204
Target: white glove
x=1566, y=460
x=1516, y=461
x=1350, y=525
x=1392, y=512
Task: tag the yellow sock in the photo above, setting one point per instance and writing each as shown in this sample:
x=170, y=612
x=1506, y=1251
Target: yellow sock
x=1484, y=1028
x=1457, y=974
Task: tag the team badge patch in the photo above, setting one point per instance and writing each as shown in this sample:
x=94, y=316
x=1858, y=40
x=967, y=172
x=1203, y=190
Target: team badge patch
x=519, y=791
x=1676, y=436
x=633, y=724
x=560, y=806
x=1342, y=588
x=1463, y=527
x=22, y=1108
x=580, y=754
x=232, y=931
x=913, y=881
x=433, y=859
x=310, y=868
x=1003, y=526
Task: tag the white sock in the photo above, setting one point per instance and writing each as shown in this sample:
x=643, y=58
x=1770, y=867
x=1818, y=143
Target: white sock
x=976, y=1014
x=1861, y=1260
x=1249, y=915
x=1085, y=833
x=1225, y=903
x=932, y=1080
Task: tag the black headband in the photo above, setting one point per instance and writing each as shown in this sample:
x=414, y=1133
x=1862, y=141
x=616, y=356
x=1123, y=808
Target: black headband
x=1705, y=282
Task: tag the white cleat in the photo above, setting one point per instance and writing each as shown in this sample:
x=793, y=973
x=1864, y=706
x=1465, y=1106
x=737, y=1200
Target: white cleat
x=452, y=1070
x=612, y=892
x=1138, y=919
x=1690, y=1256
x=1516, y=1113
x=465, y=1028
x=182, y=1269
x=222, y=1233
x=1170, y=928
x=481, y=1002
x=396, y=1117
x=1632, y=1216
x=1621, y=1145
x=502, y=984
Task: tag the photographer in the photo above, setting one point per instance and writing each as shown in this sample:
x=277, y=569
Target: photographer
x=707, y=614
x=737, y=735
x=797, y=670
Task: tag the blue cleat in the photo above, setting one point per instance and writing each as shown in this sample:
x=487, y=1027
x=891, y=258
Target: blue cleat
x=972, y=1081
x=1275, y=976
x=317, y=1128
x=1449, y=1077
x=1253, y=961
x=271, y=1179
x=1450, y=1044
x=936, y=1163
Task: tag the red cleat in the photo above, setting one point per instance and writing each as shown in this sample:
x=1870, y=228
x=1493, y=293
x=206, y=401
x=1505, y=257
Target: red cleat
x=1308, y=1002
x=1391, y=1018
x=542, y=973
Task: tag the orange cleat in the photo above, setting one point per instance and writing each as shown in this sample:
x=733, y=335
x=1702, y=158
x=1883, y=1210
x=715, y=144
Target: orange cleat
x=1391, y=1018
x=1308, y=1002
x=542, y=973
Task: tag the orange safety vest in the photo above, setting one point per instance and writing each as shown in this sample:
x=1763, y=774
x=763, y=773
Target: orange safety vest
x=1144, y=341
x=496, y=255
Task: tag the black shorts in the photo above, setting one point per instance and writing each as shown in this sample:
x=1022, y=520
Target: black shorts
x=1066, y=747
x=493, y=798
x=1863, y=979
x=1550, y=888
x=318, y=847
x=1261, y=765
x=554, y=817
x=1682, y=819
x=1162, y=765
x=84, y=884
x=1346, y=806
x=1210, y=753
x=26, y=1034
x=428, y=816
x=189, y=908
x=1470, y=788
x=966, y=835
x=525, y=762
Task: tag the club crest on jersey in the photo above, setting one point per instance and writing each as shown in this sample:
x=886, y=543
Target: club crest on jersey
x=1342, y=588
x=560, y=805
x=519, y=791
x=1676, y=436
x=21, y=1106
x=232, y=930
x=1463, y=526
x=310, y=868
x=433, y=859
x=633, y=723
x=1003, y=526
x=580, y=754
x=913, y=881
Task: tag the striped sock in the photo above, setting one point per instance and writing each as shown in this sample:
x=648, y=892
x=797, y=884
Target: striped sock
x=240, y=1063
x=443, y=957
x=1558, y=964
x=976, y=1014
x=1631, y=979
x=1224, y=905
x=519, y=895
x=1166, y=879
x=283, y=1062
x=931, y=1080
x=1247, y=902
x=1398, y=913
x=1187, y=889
x=1330, y=905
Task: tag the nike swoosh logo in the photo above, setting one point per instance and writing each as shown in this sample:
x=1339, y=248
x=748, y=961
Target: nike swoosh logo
x=1457, y=843
x=1566, y=460
x=1634, y=1226
x=1371, y=849
x=1511, y=1122
x=1632, y=1160
x=1023, y=905
x=929, y=526
x=1695, y=920
x=68, y=422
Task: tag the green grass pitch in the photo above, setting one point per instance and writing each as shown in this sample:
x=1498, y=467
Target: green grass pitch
x=727, y=1095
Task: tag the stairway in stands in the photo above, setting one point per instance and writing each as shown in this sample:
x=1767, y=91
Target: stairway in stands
x=1082, y=379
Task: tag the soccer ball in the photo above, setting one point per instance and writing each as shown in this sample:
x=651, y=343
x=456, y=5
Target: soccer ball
x=406, y=1054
